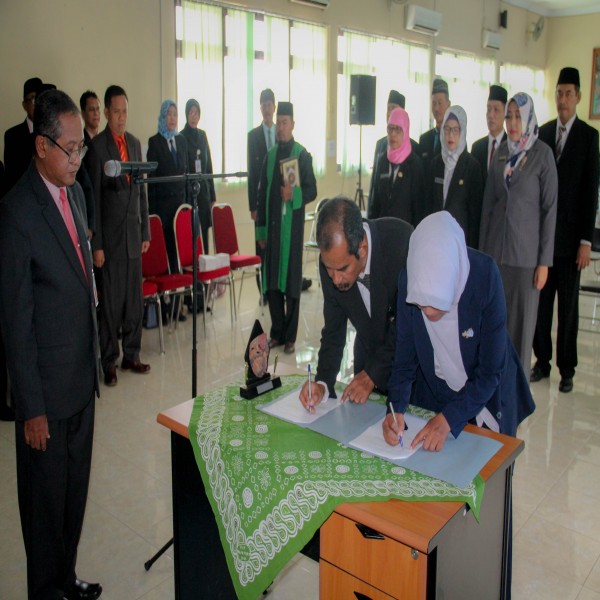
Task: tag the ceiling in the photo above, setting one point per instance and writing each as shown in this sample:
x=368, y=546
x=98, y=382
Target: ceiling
x=558, y=8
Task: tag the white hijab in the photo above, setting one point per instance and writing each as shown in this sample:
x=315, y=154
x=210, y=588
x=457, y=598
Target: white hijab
x=437, y=268
x=450, y=157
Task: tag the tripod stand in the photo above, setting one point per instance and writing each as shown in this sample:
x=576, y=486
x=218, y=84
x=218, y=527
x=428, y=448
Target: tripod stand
x=359, y=197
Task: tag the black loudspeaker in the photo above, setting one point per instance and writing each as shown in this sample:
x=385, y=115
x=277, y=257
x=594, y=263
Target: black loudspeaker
x=362, y=99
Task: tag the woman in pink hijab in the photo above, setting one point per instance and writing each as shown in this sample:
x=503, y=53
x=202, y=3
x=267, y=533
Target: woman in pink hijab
x=400, y=185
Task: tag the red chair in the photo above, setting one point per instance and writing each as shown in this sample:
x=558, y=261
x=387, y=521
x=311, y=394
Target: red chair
x=211, y=268
x=150, y=296
x=155, y=268
x=225, y=239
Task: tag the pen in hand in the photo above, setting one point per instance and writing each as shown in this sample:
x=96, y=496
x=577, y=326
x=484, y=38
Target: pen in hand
x=397, y=427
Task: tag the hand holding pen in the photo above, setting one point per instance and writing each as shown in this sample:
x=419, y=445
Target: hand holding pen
x=393, y=428
x=312, y=393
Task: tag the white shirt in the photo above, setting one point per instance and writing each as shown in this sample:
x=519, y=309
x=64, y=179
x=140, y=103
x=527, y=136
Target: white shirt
x=365, y=293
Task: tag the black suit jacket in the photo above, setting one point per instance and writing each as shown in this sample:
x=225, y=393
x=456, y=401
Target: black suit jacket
x=257, y=150
x=577, y=170
x=47, y=307
x=426, y=142
x=18, y=150
x=121, y=206
x=465, y=194
x=375, y=335
x=479, y=150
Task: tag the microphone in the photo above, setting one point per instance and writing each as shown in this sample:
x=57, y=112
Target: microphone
x=115, y=168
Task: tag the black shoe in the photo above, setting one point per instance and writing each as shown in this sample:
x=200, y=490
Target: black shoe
x=566, y=385
x=537, y=374
x=306, y=283
x=82, y=590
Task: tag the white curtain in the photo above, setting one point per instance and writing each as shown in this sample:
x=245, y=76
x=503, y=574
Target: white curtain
x=520, y=78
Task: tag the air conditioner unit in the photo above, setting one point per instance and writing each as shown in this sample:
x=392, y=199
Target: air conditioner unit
x=316, y=3
x=422, y=20
x=492, y=40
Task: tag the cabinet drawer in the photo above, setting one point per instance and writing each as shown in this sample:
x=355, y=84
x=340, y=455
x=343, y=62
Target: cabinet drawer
x=336, y=584
x=384, y=563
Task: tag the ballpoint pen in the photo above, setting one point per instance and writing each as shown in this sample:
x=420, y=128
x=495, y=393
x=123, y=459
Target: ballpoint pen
x=396, y=421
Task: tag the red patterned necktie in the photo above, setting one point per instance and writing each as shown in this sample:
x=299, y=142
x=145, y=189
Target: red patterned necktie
x=68, y=217
x=123, y=154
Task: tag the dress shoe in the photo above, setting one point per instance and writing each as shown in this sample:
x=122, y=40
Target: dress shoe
x=537, y=374
x=289, y=348
x=182, y=318
x=135, y=366
x=110, y=376
x=306, y=283
x=273, y=342
x=82, y=590
x=566, y=385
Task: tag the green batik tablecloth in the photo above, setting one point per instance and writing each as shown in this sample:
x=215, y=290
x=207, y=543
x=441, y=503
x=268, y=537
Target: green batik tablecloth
x=272, y=484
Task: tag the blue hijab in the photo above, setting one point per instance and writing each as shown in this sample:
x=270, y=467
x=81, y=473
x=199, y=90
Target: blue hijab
x=162, y=120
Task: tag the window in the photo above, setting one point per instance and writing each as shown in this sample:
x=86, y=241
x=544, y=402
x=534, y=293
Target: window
x=468, y=78
x=520, y=78
x=397, y=65
x=226, y=57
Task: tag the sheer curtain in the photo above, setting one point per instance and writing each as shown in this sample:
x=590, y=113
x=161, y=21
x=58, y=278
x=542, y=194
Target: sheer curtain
x=308, y=89
x=200, y=69
x=521, y=78
x=468, y=78
x=397, y=65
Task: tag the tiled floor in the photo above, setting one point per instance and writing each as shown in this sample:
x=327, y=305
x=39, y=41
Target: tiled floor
x=556, y=484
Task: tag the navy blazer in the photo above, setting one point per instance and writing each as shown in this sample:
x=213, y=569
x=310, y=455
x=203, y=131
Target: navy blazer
x=47, y=308
x=495, y=377
x=374, y=343
x=257, y=150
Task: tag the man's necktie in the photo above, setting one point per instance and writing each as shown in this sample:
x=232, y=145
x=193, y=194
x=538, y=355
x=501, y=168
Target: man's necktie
x=123, y=154
x=68, y=217
x=366, y=281
x=174, y=153
x=492, y=152
x=558, y=150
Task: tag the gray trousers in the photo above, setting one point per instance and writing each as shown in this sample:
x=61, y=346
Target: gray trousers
x=122, y=309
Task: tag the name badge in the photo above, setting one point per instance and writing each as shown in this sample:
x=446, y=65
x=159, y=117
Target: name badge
x=461, y=182
x=439, y=180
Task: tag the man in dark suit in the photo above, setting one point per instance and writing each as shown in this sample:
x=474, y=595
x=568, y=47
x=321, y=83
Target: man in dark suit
x=575, y=146
x=47, y=314
x=18, y=140
x=122, y=235
x=485, y=148
x=90, y=111
x=260, y=141
x=359, y=265
x=429, y=142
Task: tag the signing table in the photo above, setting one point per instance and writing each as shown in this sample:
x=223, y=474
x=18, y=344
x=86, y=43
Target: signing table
x=250, y=491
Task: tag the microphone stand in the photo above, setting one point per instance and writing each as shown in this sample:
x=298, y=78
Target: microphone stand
x=192, y=187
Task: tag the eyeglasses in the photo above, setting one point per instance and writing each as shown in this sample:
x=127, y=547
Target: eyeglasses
x=451, y=131
x=74, y=154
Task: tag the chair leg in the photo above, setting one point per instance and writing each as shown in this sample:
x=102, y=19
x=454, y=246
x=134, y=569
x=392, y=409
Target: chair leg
x=232, y=290
x=205, y=288
x=171, y=320
x=161, y=336
x=240, y=294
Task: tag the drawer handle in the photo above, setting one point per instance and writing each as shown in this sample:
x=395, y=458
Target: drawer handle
x=360, y=596
x=369, y=533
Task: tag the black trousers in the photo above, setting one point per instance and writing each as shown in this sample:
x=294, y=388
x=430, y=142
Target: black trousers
x=563, y=283
x=285, y=312
x=52, y=489
x=122, y=307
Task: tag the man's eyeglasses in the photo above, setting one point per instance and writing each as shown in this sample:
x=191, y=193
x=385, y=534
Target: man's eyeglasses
x=74, y=154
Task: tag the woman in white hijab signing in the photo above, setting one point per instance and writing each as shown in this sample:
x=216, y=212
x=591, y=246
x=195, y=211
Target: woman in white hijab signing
x=457, y=185
x=453, y=354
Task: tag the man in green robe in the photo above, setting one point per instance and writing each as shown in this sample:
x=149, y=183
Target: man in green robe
x=287, y=184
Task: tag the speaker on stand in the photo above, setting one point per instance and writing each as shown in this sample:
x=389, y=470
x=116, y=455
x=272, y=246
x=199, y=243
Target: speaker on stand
x=362, y=112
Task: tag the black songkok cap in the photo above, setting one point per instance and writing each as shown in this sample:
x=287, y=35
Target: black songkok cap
x=267, y=95
x=397, y=98
x=32, y=85
x=497, y=92
x=569, y=75
x=285, y=109
x=439, y=87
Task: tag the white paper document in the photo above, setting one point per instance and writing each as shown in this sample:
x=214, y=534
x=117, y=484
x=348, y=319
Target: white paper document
x=289, y=408
x=371, y=440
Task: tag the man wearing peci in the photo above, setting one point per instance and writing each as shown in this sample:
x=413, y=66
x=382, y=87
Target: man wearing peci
x=359, y=264
x=485, y=148
x=122, y=235
x=429, y=142
x=260, y=140
x=575, y=147
x=280, y=226
x=48, y=317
